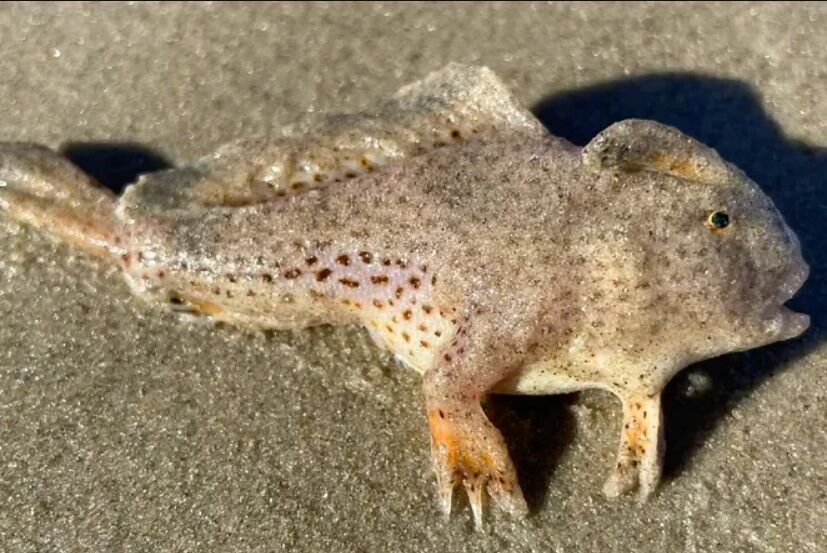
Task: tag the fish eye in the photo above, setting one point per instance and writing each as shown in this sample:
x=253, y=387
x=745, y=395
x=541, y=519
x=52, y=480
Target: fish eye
x=718, y=220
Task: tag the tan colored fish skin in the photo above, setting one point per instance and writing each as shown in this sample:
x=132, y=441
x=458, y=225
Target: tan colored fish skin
x=484, y=253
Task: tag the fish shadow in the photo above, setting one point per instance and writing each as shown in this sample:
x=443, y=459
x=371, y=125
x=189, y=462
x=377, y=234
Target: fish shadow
x=537, y=430
x=115, y=164
x=727, y=115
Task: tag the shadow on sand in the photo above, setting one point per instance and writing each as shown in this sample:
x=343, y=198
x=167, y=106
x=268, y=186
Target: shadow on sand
x=113, y=164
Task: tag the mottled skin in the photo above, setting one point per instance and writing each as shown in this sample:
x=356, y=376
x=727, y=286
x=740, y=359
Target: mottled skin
x=485, y=253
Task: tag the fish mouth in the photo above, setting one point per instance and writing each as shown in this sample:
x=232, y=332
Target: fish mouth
x=781, y=322
x=793, y=283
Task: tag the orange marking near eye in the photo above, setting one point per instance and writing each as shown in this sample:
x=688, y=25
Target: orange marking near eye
x=669, y=163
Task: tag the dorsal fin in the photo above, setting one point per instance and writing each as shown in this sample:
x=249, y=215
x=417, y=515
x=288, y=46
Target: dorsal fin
x=639, y=145
x=451, y=106
x=464, y=95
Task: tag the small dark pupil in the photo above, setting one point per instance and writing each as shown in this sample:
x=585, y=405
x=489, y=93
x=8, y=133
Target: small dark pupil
x=719, y=219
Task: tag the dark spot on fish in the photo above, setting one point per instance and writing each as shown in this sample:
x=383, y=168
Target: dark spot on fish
x=350, y=283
